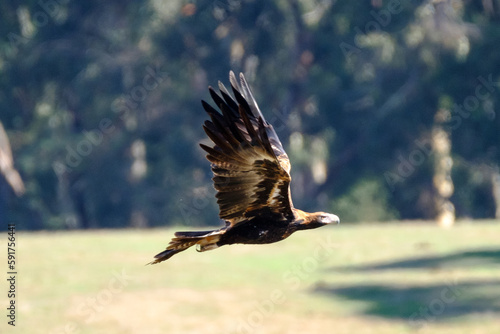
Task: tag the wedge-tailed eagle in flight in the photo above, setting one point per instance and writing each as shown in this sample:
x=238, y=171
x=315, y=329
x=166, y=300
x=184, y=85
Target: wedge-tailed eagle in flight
x=251, y=175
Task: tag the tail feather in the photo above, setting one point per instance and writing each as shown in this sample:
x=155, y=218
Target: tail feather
x=205, y=240
x=165, y=255
x=193, y=233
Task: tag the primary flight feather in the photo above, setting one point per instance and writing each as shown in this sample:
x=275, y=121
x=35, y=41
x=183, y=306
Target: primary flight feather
x=251, y=175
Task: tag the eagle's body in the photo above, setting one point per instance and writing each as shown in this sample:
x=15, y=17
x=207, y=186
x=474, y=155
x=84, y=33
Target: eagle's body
x=251, y=175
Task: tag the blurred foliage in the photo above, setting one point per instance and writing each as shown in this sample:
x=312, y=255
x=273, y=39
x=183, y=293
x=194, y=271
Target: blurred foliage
x=101, y=104
x=367, y=201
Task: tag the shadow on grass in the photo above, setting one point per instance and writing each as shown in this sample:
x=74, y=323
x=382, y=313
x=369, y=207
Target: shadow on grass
x=421, y=304
x=463, y=259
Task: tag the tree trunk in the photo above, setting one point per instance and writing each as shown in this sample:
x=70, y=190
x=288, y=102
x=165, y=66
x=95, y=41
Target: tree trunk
x=442, y=182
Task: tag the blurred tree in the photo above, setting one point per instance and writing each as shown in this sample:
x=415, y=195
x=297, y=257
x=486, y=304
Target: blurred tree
x=9, y=176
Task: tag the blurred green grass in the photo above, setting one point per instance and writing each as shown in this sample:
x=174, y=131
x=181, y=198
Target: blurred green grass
x=363, y=278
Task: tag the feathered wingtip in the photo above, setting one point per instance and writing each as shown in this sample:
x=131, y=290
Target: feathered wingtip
x=243, y=90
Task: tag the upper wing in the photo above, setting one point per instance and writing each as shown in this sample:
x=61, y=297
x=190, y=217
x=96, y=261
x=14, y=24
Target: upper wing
x=251, y=169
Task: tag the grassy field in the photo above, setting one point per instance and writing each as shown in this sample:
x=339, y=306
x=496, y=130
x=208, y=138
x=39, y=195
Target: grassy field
x=387, y=278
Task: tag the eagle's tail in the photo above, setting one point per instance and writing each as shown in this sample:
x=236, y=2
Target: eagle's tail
x=204, y=240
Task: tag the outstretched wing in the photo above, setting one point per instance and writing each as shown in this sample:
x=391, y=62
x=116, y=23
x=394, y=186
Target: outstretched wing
x=251, y=168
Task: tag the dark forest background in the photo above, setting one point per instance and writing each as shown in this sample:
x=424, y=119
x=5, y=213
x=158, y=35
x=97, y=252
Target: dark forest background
x=387, y=109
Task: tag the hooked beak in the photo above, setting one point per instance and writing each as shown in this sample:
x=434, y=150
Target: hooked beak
x=332, y=219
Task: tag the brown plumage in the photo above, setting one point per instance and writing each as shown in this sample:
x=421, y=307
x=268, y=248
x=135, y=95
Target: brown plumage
x=251, y=175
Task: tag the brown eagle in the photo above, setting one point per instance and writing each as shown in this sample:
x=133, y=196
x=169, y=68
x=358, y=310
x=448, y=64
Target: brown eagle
x=251, y=175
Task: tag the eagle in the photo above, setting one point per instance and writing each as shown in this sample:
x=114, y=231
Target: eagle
x=251, y=174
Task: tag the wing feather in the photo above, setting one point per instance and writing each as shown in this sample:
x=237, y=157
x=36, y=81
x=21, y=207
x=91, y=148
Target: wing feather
x=251, y=169
x=227, y=97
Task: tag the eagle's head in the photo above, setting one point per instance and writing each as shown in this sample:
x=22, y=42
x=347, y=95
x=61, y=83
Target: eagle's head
x=317, y=219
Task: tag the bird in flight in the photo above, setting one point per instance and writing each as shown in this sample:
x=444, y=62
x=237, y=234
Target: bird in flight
x=251, y=176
